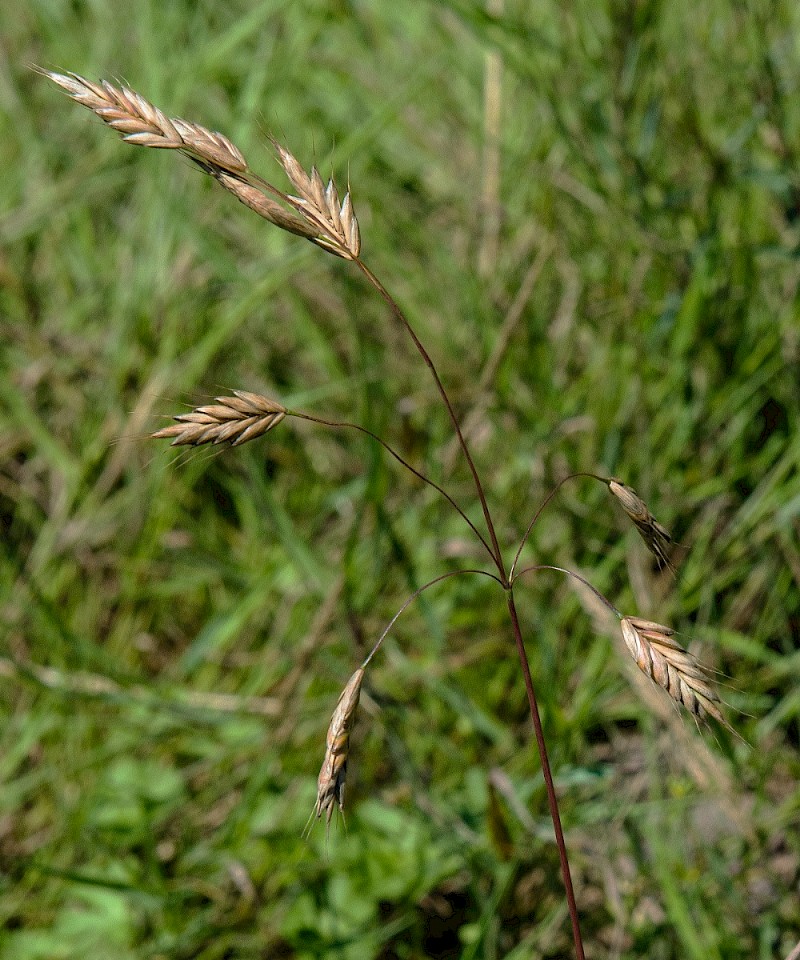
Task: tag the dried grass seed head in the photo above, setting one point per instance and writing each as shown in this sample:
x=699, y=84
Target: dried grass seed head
x=656, y=537
x=234, y=420
x=257, y=201
x=667, y=663
x=317, y=214
x=144, y=125
x=331, y=780
x=320, y=206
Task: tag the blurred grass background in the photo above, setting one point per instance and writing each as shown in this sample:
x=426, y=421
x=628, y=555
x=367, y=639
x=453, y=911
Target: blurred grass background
x=175, y=630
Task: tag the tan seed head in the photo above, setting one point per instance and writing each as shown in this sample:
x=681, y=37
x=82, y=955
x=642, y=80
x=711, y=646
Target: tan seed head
x=320, y=206
x=233, y=420
x=664, y=660
x=315, y=214
x=143, y=124
x=655, y=536
x=330, y=784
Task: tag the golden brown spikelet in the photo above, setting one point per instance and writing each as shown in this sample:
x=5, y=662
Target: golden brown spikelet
x=263, y=205
x=141, y=123
x=314, y=215
x=655, y=536
x=330, y=783
x=320, y=206
x=233, y=420
x=664, y=660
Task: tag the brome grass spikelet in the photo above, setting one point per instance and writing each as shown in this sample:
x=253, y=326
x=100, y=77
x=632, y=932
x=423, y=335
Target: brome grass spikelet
x=319, y=204
x=316, y=214
x=655, y=536
x=144, y=125
x=233, y=420
x=665, y=661
x=330, y=783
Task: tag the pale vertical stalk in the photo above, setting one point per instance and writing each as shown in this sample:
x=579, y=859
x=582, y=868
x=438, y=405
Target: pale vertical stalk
x=490, y=187
x=795, y=954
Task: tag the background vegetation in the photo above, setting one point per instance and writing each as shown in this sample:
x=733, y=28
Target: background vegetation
x=175, y=631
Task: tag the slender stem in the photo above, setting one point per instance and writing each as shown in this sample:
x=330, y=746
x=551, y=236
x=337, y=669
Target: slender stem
x=401, y=318
x=795, y=954
x=413, y=597
x=576, y=576
x=498, y=558
x=552, y=800
x=538, y=513
x=390, y=450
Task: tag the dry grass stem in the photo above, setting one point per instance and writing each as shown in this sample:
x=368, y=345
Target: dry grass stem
x=666, y=662
x=330, y=784
x=655, y=536
x=233, y=420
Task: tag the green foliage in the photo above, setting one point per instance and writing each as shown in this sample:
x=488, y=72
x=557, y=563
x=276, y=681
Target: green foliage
x=175, y=630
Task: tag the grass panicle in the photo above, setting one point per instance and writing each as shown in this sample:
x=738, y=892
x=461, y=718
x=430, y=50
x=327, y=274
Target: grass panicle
x=315, y=211
x=233, y=420
x=320, y=204
x=318, y=215
x=144, y=125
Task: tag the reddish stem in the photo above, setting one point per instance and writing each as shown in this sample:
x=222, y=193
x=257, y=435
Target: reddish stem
x=538, y=513
x=548, y=780
x=401, y=318
x=390, y=450
x=498, y=559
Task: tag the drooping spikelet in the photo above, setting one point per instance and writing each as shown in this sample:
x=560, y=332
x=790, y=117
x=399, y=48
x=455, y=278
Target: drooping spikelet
x=655, y=536
x=330, y=783
x=233, y=420
x=665, y=661
x=255, y=198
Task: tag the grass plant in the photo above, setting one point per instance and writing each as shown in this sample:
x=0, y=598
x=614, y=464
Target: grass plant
x=322, y=218
x=177, y=633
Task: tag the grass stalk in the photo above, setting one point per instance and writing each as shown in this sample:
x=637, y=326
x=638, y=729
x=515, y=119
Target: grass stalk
x=401, y=318
x=552, y=798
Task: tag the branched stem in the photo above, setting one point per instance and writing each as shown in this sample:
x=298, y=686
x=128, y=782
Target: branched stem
x=576, y=576
x=316, y=213
x=413, y=597
x=538, y=513
x=506, y=583
x=401, y=318
x=390, y=450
